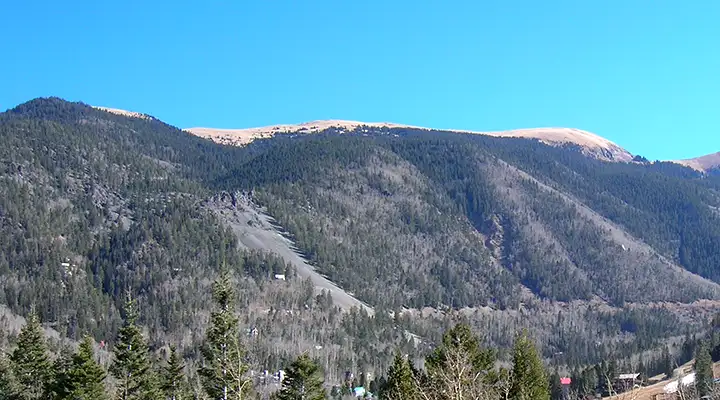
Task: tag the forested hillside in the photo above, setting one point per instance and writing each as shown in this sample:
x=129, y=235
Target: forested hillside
x=598, y=259
x=471, y=218
x=94, y=205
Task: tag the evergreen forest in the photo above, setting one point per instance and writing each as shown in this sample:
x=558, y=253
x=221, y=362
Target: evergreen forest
x=140, y=261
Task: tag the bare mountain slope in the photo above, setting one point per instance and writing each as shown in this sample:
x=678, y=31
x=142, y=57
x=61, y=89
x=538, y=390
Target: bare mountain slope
x=255, y=230
x=703, y=163
x=591, y=143
x=124, y=113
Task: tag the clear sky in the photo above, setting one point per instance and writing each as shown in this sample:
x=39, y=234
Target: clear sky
x=643, y=73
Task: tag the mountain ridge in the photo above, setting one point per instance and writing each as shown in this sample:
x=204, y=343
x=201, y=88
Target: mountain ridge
x=591, y=143
x=594, y=145
x=125, y=113
x=703, y=163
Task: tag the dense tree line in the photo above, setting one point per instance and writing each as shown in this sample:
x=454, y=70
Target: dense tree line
x=459, y=368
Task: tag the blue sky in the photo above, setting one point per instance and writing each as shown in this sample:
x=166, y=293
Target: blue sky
x=645, y=74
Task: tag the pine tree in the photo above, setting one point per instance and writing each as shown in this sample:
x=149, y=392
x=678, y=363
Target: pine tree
x=174, y=385
x=223, y=370
x=61, y=369
x=667, y=363
x=400, y=383
x=132, y=366
x=715, y=346
x=459, y=368
x=703, y=370
x=378, y=384
x=556, y=390
x=528, y=380
x=31, y=366
x=612, y=373
x=686, y=351
x=303, y=380
x=606, y=372
x=642, y=370
x=590, y=381
x=7, y=381
x=84, y=378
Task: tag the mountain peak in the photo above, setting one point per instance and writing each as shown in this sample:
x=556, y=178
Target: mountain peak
x=125, y=113
x=591, y=143
x=702, y=163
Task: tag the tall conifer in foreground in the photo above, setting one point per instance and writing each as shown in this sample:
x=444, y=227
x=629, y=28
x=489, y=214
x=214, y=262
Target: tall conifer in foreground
x=303, y=380
x=7, y=381
x=173, y=383
x=223, y=371
x=529, y=381
x=460, y=368
x=703, y=370
x=84, y=377
x=30, y=363
x=400, y=383
x=132, y=366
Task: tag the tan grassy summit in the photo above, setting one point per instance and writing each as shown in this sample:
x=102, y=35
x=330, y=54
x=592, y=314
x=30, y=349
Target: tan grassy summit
x=125, y=113
x=239, y=137
x=703, y=163
x=594, y=145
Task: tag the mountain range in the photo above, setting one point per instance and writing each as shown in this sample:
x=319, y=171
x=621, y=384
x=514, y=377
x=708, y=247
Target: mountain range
x=592, y=144
x=356, y=237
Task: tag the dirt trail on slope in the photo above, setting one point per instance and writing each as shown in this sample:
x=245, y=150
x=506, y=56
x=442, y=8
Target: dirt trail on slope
x=256, y=230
